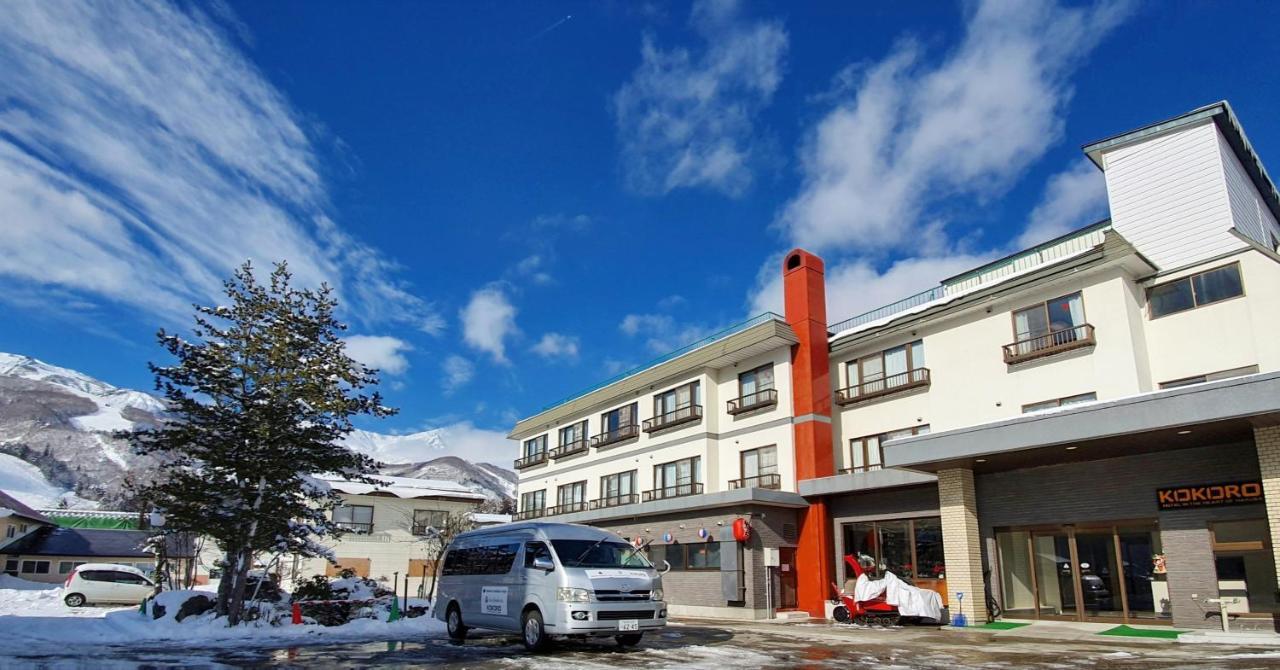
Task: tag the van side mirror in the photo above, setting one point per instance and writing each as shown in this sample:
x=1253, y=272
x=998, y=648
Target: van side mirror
x=543, y=563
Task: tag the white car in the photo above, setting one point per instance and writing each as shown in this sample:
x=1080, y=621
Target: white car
x=106, y=583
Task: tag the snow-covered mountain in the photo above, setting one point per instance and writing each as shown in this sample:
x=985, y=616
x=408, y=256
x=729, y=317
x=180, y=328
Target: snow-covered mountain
x=56, y=440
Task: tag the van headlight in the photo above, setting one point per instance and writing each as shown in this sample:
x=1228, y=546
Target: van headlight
x=655, y=594
x=566, y=594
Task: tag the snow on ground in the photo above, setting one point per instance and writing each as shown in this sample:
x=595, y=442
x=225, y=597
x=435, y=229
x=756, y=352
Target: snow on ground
x=25, y=482
x=32, y=617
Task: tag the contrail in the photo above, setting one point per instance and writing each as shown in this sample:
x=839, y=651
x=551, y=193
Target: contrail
x=549, y=28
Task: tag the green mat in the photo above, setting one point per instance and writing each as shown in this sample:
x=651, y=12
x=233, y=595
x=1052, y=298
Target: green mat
x=1128, y=631
x=1003, y=625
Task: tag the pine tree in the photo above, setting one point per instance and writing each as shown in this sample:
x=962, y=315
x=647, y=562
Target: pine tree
x=259, y=400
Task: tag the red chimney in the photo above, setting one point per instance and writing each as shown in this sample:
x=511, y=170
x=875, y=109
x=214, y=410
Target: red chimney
x=805, y=303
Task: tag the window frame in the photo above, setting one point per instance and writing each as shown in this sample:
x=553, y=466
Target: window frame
x=880, y=438
x=854, y=368
x=773, y=380
x=1044, y=305
x=695, y=470
x=338, y=523
x=742, y=461
x=571, y=486
x=430, y=513
x=580, y=426
x=1195, y=303
x=635, y=418
x=682, y=550
x=534, y=440
x=1059, y=402
x=540, y=495
x=912, y=534
x=629, y=475
x=695, y=398
x=35, y=564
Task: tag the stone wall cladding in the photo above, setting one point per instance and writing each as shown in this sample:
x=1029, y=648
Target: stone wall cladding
x=962, y=544
x=1124, y=488
x=1267, y=442
x=702, y=588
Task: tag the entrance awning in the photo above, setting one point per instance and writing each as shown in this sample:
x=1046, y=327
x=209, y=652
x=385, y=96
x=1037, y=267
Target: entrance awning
x=1211, y=413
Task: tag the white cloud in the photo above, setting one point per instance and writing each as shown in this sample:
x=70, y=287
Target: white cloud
x=909, y=134
x=379, y=351
x=143, y=157
x=458, y=371
x=1072, y=198
x=488, y=320
x=687, y=120
x=531, y=267
x=555, y=345
x=663, y=333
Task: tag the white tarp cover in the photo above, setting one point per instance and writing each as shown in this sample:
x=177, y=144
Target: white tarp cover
x=910, y=600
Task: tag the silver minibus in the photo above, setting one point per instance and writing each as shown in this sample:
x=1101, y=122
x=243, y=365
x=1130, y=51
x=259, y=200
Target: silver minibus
x=545, y=580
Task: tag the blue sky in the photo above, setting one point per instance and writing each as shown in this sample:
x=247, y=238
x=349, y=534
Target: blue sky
x=516, y=200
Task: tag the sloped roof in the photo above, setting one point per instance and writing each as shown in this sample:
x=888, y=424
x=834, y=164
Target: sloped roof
x=88, y=543
x=19, y=509
x=404, y=487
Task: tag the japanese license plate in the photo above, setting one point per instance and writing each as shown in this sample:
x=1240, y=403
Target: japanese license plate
x=629, y=624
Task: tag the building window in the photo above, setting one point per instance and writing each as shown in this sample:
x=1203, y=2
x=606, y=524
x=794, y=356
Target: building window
x=755, y=388
x=759, y=468
x=535, y=446
x=1195, y=291
x=622, y=417
x=1059, y=402
x=65, y=567
x=684, y=557
x=358, y=518
x=866, y=453
x=533, y=500
x=618, y=489
x=1050, y=323
x=572, y=495
x=11, y=531
x=1210, y=377
x=677, y=404
x=886, y=369
x=11, y=567
x=35, y=567
x=678, y=478
x=424, y=519
x=573, y=433
x=910, y=549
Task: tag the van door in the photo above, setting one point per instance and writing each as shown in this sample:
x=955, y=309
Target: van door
x=493, y=603
x=539, y=586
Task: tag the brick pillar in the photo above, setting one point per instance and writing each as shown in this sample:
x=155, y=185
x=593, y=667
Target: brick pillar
x=962, y=543
x=1267, y=441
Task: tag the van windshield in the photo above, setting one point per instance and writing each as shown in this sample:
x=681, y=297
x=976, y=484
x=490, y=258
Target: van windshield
x=602, y=555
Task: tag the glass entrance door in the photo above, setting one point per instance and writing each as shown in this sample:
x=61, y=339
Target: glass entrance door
x=1100, y=590
x=1055, y=579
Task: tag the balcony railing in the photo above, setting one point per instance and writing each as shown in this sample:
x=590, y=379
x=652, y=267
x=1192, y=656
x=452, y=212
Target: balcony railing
x=571, y=448
x=1052, y=343
x=677, y=417
x=531, y=460
x=677, y=491
x=535, y=513
x=614, y=501
x=754, y=401
x=773, y=481
x=567, y=508
x=616, y=435
x=877, y=388
x=355, y=526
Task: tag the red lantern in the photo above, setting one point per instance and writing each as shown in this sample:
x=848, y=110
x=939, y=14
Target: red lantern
x=741, y=530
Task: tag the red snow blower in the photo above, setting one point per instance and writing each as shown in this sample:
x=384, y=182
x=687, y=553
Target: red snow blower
x=873, y=612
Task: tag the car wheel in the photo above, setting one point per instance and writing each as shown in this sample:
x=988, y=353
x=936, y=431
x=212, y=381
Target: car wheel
x=629, y=640
x=533, y=634
x=74, y=600
x=453, y=621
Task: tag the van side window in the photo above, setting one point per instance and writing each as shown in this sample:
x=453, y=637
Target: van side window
x=495, y=559
x=534, y=550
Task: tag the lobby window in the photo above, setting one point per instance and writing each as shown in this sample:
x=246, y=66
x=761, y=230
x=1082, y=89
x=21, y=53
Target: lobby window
x=358, y=518
x=865, y=453
x=573, y=433
x=686, y=557
x=909, y=548
x=618, y=489
x=1059, y=402
x=533, y=500
x=1211, y=377
x=1197, y=290
x=535, y=446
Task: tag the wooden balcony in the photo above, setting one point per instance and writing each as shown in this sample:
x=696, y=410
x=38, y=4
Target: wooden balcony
x=1052, y=343
x=681, y=416
x=878, y=388
x=773, y=481
x=531, y=460
x=619, y=434
x=614, y=501
x=567, y=508
x=570, y=449
x=753, y=401
x=526, y=514
x=677, y=491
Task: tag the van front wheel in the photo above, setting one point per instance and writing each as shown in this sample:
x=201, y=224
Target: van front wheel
x=453, y=621
x=630, y=640
x=534, y=635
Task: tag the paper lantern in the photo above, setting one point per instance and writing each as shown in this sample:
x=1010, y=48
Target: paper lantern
x=666, y=537
x=741, y=530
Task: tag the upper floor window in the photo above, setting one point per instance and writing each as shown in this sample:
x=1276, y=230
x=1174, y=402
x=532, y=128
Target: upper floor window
x=867, y=454
x=622, y=417
x=1210, y=377
x=755, y=390
x=535, y=446
x=677, y=478
x=1197, y=290
x=424, y=519
x=1057, y=316
x=533, y=500
x=759, y=468
x=572, y=433
x=1059, y=402
x=571, y=496
x=678, y=398
x=358, y=518
x=888, y=366
x=618, y=489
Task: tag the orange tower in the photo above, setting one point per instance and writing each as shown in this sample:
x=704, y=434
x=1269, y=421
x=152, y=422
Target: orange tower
x=805, y=301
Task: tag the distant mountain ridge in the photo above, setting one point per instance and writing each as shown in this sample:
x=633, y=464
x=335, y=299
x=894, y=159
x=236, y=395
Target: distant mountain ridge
x=56, y=428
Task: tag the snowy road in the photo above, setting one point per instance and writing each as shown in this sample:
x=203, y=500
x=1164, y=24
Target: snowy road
x=689, y=646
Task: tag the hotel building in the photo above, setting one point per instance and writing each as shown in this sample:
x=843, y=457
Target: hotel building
x=1088, y=429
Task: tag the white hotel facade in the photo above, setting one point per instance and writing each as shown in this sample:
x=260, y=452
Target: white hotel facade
x=1090, y=428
